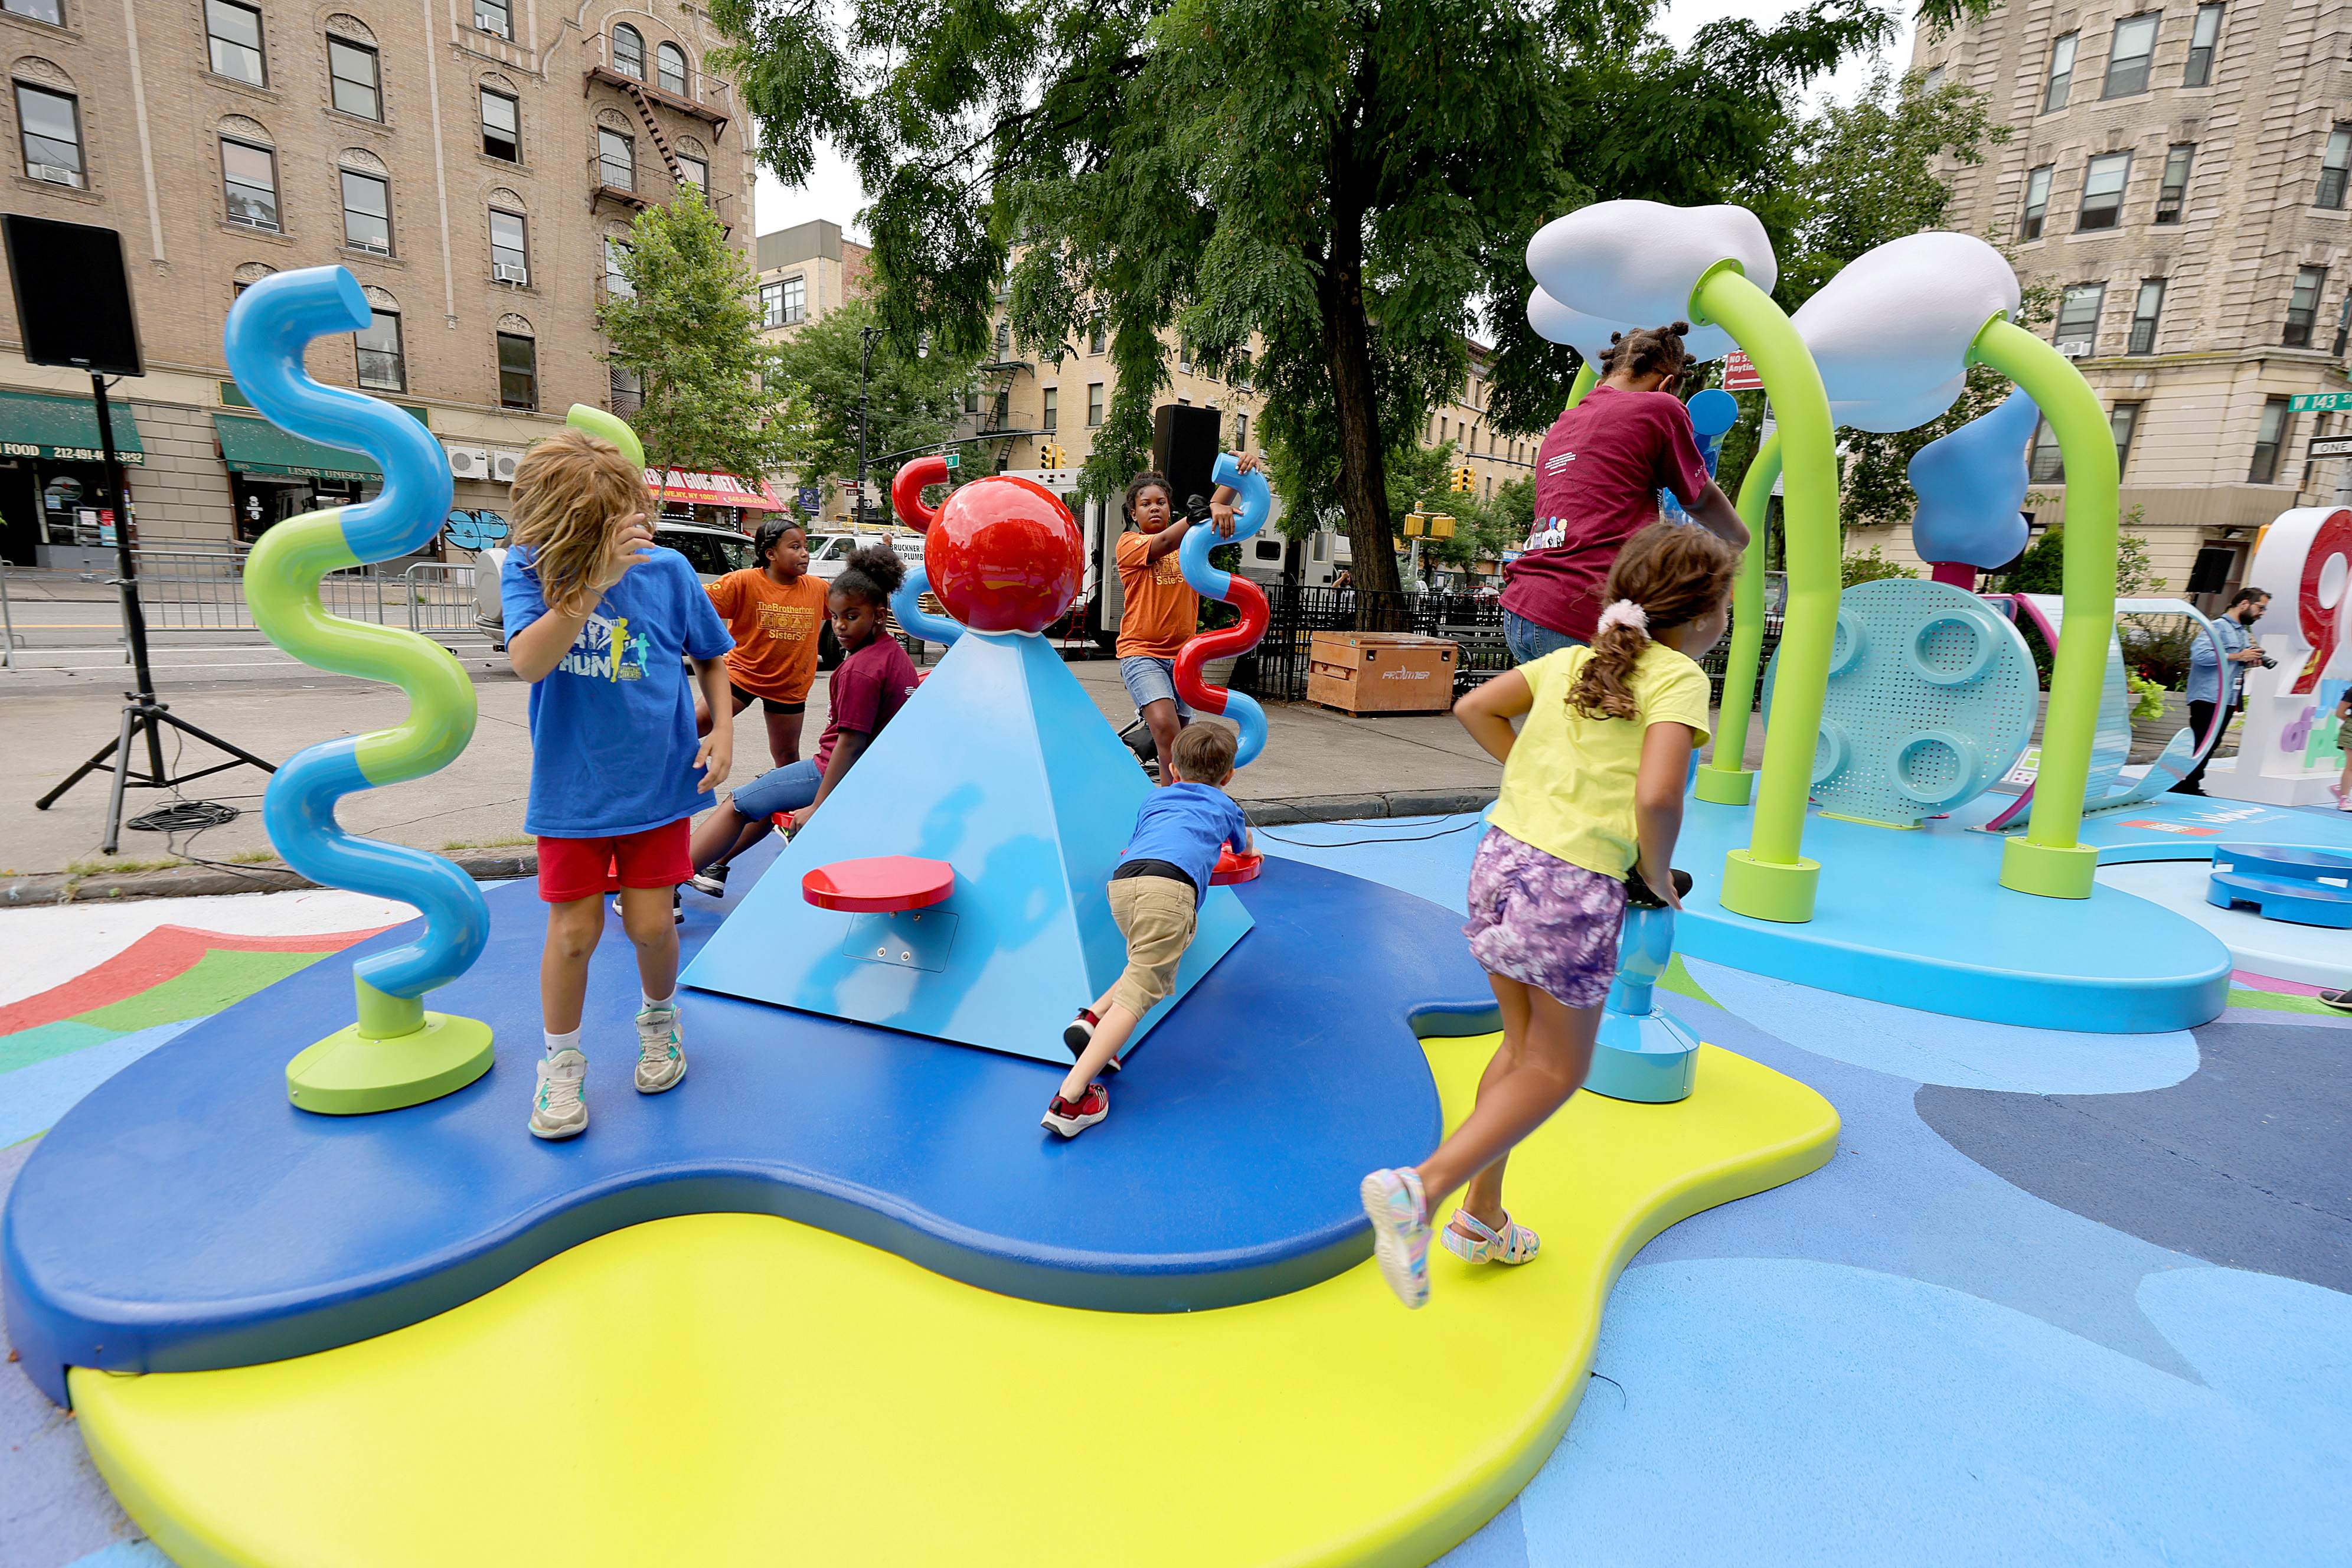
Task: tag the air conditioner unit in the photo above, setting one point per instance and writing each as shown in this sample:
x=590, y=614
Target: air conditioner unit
x=2078, y=349
x=57, y=174
x=510, y=272
x=370, y=245
x=502, y=466
x=468, y=462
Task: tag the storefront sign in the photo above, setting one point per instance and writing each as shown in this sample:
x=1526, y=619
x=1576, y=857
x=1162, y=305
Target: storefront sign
x=64, y=454
x=711, y=490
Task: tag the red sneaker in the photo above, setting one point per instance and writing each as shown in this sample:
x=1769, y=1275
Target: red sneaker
x=1081, y=1032
x=1070, y=1119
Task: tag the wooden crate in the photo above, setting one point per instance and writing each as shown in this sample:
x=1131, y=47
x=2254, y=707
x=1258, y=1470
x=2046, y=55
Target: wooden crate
x=1381, y=672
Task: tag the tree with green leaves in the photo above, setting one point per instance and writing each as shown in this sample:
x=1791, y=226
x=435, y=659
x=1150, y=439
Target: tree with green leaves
x=912, y=400
x=1349, y=179
x=686, y=323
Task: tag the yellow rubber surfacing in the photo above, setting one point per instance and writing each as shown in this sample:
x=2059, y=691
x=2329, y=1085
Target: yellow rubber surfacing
x=737, y=1389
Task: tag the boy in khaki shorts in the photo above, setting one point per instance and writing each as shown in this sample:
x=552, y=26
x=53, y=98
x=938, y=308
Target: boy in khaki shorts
x=1155, y=897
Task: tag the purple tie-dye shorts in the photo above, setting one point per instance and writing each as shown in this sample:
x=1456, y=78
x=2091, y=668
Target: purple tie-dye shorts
x=1535, y=918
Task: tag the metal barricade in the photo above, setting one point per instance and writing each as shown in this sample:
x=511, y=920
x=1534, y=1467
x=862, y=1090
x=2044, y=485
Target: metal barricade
x=191, y=590
x=440, y=600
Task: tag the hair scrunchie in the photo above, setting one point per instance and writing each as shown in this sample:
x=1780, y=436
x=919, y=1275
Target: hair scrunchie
x=1623, y=613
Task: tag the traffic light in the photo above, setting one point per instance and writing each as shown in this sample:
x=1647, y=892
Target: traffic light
x=1441, y=526
x=1463, y=480
x=1416, y=524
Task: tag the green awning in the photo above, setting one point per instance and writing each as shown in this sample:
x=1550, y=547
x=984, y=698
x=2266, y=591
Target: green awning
x=258, y=446
x=33, y=424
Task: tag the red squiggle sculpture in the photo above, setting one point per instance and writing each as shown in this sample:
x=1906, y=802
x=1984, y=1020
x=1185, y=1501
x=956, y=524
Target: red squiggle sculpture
x=1234, y=641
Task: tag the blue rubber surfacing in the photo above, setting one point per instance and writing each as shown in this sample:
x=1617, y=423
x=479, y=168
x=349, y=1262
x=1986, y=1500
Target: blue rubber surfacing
x=184, y=1217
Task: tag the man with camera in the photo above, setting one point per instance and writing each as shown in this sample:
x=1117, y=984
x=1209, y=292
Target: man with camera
x=2213, y=676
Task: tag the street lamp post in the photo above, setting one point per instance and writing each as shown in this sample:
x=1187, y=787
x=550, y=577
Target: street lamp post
x=866, y=337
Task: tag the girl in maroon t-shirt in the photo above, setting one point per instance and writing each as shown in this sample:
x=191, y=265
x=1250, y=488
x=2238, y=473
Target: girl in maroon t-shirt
x=1597, y=482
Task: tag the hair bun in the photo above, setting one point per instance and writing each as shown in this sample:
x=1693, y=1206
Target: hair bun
x=1616, y=337
x=1680, y=329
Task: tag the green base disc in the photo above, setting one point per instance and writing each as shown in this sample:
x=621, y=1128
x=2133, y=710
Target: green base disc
x=2047, y=870
x=1767, y=891
x=1724, y=787
x=349, y=1074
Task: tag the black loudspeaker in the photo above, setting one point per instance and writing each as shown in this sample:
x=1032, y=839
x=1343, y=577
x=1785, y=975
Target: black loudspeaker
x=73, y=295
x=1185, y=448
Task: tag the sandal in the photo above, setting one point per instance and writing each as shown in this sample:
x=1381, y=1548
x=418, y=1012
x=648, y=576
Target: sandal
x=1515, y=1243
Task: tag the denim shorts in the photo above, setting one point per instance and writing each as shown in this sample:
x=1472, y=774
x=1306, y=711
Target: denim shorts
x=1151, y=681
x=1529, y=642
x=787, y=788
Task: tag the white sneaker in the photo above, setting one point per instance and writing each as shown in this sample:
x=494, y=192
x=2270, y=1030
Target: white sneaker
x=557, y=1109
x=661, y=1061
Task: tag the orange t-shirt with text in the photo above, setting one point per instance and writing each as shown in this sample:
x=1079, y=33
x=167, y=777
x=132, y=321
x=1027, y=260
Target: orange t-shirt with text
x=1161, y=611
x=776, y=632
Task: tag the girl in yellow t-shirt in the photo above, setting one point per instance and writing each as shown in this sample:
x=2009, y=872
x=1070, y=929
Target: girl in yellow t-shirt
x=1591, y=800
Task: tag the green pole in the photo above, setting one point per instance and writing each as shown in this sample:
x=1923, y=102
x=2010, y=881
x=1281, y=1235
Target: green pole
x=1770, y=879
x=2048, y=861
x=1730, y=784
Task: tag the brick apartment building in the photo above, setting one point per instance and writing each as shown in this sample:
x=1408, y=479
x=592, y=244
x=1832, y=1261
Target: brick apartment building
x=2179, y=174
x=469, y=165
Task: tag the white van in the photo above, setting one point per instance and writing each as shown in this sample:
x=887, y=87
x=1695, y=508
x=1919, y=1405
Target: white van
x=830, y=552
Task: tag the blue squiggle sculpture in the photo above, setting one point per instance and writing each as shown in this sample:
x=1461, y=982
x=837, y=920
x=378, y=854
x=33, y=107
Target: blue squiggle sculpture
x=1252, y=505
x=397, y=1054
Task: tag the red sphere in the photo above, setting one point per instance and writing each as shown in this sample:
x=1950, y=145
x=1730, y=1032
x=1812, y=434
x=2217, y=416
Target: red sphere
x=1004, y=555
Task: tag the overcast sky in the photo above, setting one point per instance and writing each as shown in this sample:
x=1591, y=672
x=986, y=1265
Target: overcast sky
x=833, y=192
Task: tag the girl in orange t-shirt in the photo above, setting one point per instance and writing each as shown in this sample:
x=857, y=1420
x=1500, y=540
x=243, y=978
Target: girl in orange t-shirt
x=776, y=611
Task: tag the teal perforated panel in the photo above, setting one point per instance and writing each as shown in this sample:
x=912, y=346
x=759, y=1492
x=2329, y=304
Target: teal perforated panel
x=1931, y=697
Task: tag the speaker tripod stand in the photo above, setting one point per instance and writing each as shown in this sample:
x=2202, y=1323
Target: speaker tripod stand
x=141, y=713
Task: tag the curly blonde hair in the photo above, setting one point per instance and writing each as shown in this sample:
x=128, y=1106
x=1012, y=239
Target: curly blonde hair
x=570, y=493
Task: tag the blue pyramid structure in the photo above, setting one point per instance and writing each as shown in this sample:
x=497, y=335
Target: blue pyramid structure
x=1001, y=766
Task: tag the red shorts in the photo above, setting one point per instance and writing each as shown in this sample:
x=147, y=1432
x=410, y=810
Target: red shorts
x=572, y=869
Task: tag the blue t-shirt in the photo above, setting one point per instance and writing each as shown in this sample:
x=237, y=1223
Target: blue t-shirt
x=612, y=727
x=1185, y=824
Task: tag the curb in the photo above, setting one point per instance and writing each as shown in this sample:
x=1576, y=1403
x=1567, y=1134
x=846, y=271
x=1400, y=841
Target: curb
x=498, y=866
x=198, y=881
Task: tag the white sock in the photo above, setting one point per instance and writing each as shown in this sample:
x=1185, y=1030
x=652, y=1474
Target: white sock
x=556, y=1042
x=668, y=1001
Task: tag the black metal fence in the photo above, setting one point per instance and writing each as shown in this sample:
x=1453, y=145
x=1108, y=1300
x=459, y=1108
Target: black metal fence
x=1276, y=670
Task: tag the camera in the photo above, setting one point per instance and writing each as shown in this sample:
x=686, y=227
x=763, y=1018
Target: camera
x=2268, y=662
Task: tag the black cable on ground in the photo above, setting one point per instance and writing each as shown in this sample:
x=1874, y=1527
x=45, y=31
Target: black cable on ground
x=184, y=815
x=1351, y=843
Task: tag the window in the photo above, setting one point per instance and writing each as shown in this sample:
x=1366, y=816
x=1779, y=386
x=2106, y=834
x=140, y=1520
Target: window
x=2102, y=192
x=2123, y=421
x=1051, y=419
x=1184, y=358
x=617, y=157
x=669, y=63
x=501, y=127
x=383, y=367
x=352, y=76
x=509, y=247
x=2303, y=306
x=2037, y=203
x=1003, y=411
x=695, y=171
x=1095, y=336
x=616, y=281
x=2145, y=311
x=2078, y=315
x=1095, y=404
x=2048, y=464
x=50, y=124
x=2061, y=72
x=2208, y=33
x=2333, y=167
x=1004, y=340
x=783, y=303
x=2343, y=324
x=1933, y=82
x=518, y=371
x=2270, y=439
x=233, y=32
x=251, y=175
x=971, y=400
x=38, y=10
x=1242, y=371
x=367, y=213
x=1241, y=431
x=2128, y=53
x=628, y=391
x=629, y=51
x=494, y=16
x=2173, y=192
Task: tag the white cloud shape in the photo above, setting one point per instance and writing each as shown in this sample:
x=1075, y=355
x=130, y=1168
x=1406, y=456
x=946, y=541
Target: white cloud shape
x=1588, y=335
x=1891, y=331
x=1638, y=261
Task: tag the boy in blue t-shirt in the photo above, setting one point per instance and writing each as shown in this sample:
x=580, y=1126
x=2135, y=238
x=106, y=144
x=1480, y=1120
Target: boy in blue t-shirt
x=603, y=625
x=1155, y=896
